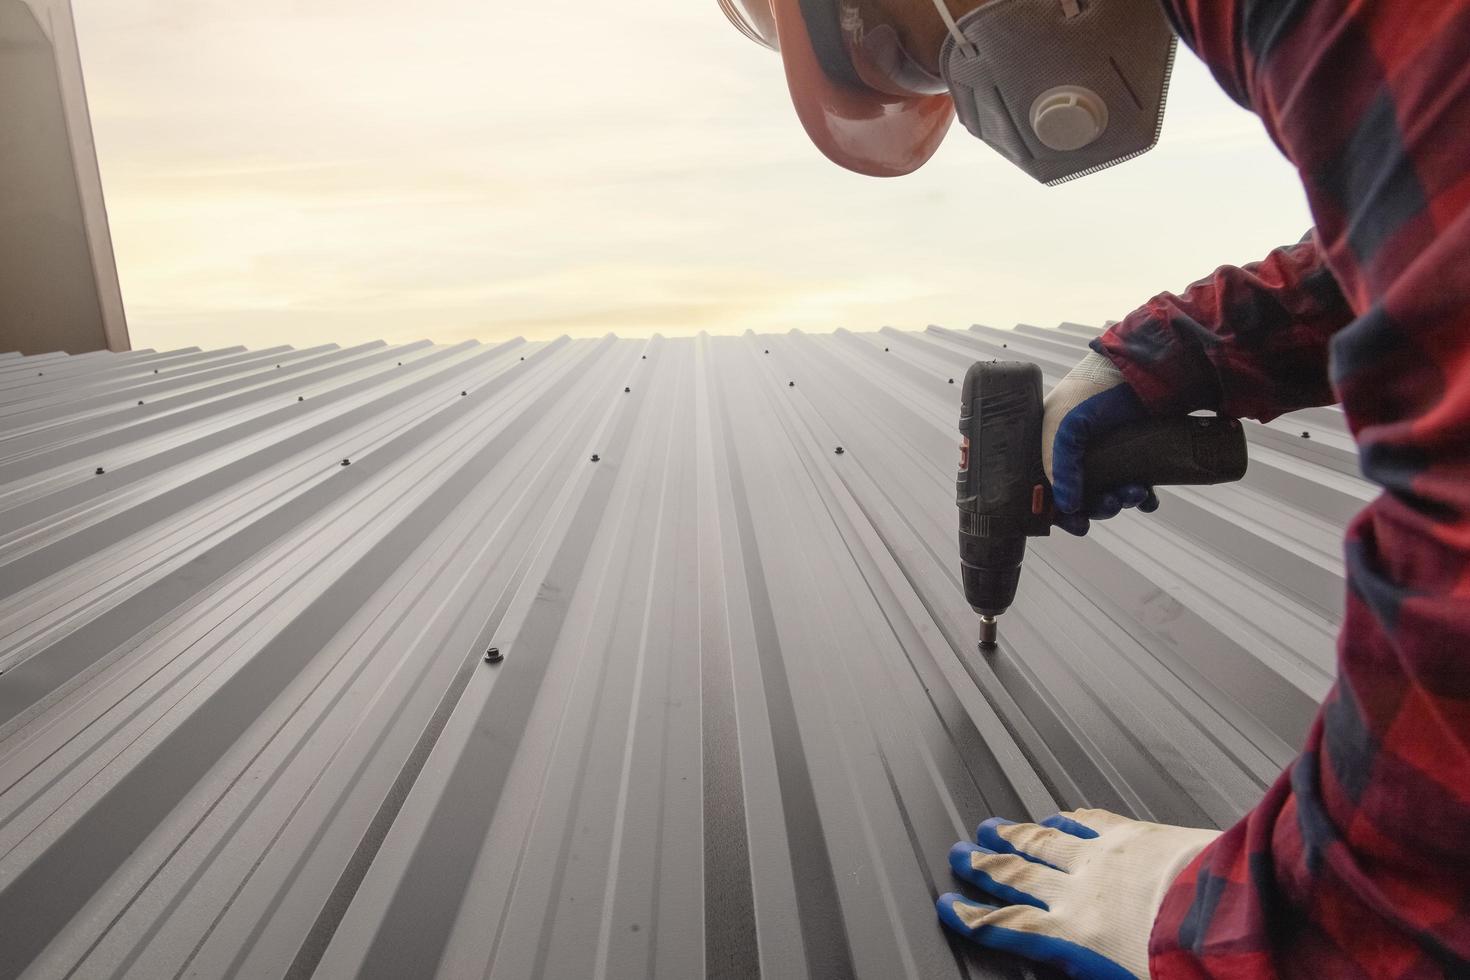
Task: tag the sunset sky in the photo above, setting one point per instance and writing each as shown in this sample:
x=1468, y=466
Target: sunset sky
x=305, y=171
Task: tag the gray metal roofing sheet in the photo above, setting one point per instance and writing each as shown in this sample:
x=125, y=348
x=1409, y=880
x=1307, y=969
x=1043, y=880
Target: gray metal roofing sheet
x=246, y=726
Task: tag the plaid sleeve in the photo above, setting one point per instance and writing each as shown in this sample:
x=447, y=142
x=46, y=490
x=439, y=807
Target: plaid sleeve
x=1357, y=861
x=1250, y=342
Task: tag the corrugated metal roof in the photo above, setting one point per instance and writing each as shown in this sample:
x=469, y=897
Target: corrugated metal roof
x=247, y=727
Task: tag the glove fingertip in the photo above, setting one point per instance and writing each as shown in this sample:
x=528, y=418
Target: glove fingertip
x=1150, y=503
x=987, y=835
x=1066, y=824
x=1075, y=524
x=961, y=915
x=959, y=856
x=1107, y=507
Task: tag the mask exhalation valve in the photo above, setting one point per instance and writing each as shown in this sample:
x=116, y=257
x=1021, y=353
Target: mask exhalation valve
x=1069, y=117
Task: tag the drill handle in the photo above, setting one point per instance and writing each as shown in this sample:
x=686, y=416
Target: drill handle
x=1187, y=451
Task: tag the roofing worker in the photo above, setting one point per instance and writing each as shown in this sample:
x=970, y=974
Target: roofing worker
x=1357, y=861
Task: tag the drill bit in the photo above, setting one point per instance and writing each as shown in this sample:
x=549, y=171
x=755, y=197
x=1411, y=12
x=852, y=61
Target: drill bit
x=989, y=631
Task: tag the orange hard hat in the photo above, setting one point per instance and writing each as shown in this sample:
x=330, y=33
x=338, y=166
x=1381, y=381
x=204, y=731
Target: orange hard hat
x=864, y=101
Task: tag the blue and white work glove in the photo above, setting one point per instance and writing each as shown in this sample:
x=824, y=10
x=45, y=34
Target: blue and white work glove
x=1079, y=891
x=1091, y=400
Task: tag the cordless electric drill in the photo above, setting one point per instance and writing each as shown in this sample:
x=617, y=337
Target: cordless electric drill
x=1002, y=490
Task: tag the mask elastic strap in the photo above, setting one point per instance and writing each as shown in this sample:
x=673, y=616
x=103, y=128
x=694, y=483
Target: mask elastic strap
x=961, y=42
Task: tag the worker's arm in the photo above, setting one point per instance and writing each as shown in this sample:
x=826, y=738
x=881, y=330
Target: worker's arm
x=1357, y=862
x=1248, y=342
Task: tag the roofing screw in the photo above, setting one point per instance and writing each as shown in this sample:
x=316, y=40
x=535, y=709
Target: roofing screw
x=885, y=350
x=839, y=451
x=645, y=357
x=627, y=390
x=523, y=358
x=278, y=367
x=596, y=458
x=791, y=384
x=300, y=399
x=768, y=350
x=1306, y=435
x=40, y=374
x=100, y=471
x=140, y=403
x=951, y=380
x=494, y=656
x=400, y=364
x=463, y=394
x=155, y=370
x=346, y=462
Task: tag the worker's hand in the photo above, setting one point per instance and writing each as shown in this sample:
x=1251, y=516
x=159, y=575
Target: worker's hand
x=1079, y=891
x=1091, y=400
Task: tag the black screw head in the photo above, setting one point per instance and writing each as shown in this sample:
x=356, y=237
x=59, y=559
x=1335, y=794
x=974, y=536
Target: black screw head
x=596, y=458
x=300, y=399
x=155, y=370
x=140, y=403
x=885, y=350
x=768, y=350
x=791, y=384
x=346, y=462
x=1306, y=435
x=951, y=380
x=40, y=374
x=462, y=394
x=523, y=358
x=494, y=656
x=1005, y=345
x=645, y=357
x=100, y=471
x=278, y=367
x=627, y=390
x=839, y=450
x=400, y=364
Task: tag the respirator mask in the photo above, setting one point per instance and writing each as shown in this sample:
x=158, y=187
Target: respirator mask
x=1061, y=88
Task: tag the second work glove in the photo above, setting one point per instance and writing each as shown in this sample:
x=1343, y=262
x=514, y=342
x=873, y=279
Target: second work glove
x=1079, y=890
x=1090, y=401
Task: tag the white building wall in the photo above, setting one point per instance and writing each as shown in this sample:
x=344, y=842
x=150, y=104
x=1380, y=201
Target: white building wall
x=58, y=278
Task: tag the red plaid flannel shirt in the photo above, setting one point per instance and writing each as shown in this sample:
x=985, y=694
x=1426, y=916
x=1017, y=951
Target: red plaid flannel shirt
x=1357, y=862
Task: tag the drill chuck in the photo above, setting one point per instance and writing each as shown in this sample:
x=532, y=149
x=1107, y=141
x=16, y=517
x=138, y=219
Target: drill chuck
x=989, y=632
x=990, y=569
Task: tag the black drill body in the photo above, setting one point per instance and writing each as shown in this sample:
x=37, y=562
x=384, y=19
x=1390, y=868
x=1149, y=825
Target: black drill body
x=1004, y=496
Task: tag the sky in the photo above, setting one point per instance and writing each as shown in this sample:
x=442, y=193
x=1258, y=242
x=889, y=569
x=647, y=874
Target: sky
x=312, y=171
